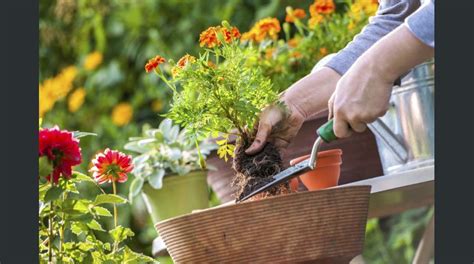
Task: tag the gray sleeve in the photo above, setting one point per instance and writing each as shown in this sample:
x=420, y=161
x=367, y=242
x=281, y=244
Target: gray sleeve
x=421, y=23
x=391, y=14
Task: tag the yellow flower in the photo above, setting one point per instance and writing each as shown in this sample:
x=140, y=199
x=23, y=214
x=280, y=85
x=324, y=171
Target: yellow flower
x=56, y=88
x=157, y=105
x=122, y=114
x=315, y=20
x=92, y=60
x=359, y=7
x=76, y=99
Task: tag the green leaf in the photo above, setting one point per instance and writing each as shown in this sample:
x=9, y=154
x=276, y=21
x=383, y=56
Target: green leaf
x=135, y=187
x=109, y=198
x=93, y=224
x=45, y=167
x=79, y=228
x=121, y=233
x=79, y=134
x=82, y=177
x=156, y=178
x=98, y=210
x=53, y=194
x=131, y=257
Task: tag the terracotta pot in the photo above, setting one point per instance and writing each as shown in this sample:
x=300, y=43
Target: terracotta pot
x=325, y=175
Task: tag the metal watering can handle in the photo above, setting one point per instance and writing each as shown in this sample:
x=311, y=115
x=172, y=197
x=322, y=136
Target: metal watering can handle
x=383, y=132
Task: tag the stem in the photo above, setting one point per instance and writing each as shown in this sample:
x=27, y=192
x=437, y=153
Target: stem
x=61, y=230
x=50, y=222
x=172, y=87
x=115, y=212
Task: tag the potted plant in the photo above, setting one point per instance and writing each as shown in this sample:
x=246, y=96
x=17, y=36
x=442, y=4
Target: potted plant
x=168, y=172
x=221, y=93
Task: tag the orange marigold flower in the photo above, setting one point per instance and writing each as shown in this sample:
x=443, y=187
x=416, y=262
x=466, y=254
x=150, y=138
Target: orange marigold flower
x=153, y=63
x=296, y=54
x=269, y=53
x=315, y=20
x=324, y=7
x=185, y=60
x=293, y=43
x=211, y=64
x=231, y=35
x=209, y=36
x=295, y=14
x=267, y=27
x=323, y=51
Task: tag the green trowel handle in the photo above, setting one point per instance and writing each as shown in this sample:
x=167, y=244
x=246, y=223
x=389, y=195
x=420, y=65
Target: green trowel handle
x=326, y=132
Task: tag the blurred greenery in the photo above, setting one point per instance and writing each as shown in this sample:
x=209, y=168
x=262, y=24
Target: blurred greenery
x=108, y=43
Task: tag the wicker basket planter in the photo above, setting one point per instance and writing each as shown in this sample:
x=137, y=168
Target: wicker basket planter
x=324, y=226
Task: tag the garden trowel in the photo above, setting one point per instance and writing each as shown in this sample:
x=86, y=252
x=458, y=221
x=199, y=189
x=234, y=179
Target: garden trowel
x=326, y=134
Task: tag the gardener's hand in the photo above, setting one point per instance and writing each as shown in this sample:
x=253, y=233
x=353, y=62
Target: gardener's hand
x=303, y=99
x=363, y=92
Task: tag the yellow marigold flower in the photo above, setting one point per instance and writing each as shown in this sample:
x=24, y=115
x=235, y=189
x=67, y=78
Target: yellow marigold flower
x=76, y=99
x=92, y=60
x=122, y=114
x=315, y=21
x=248, y=36
x=351, y=25
x=292, y=15
x=157, y=105
x=324, y=7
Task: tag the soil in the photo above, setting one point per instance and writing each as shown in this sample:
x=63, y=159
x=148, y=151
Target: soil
x=254, y=171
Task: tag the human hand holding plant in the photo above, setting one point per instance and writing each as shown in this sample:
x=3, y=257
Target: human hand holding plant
x=303, y=99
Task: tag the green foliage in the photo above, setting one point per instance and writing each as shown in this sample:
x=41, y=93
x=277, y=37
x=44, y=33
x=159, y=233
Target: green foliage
x=68, y=223
x=220, y=92
x=163, y=151
x=394, y=239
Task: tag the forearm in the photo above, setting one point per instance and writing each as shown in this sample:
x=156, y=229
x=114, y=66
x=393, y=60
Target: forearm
x=395, y=54
x=390, y=15
x=310, y=94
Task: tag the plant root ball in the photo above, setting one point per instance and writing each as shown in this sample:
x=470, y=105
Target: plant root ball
x=254, y=171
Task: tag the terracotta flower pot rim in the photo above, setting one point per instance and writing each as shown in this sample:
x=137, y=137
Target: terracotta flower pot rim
x=323, y=155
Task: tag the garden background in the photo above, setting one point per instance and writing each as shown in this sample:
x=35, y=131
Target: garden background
x=92, y=79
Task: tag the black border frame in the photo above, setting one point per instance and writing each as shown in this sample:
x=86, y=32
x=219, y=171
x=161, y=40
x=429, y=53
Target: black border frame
x=454, y=132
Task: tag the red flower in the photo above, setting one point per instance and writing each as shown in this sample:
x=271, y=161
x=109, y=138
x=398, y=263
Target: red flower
x=111, y=165
x=62, y=150
x=154, y=62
